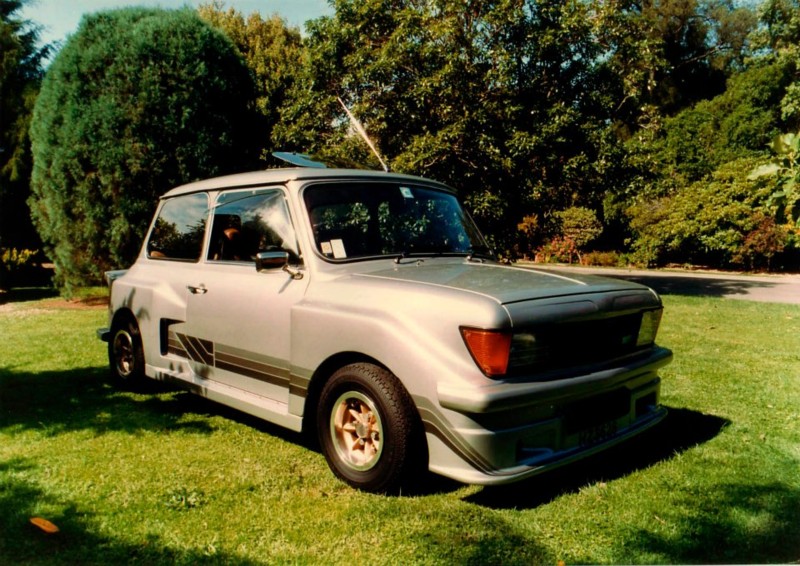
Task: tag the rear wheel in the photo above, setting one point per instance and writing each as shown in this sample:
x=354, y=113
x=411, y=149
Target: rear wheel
x=125, y=353
x=368, y=429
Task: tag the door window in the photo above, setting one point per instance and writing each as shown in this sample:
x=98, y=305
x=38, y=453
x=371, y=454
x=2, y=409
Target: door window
x=246, y=223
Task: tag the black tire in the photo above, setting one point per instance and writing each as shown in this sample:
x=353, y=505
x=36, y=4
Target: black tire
x=125, y=354
x=369, y=430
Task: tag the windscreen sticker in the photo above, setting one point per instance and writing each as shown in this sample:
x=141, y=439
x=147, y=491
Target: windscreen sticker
x=326, y=248
x=338, y=249
x=406, y=192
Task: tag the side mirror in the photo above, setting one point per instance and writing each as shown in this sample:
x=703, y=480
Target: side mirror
x=276, y=260
x=271, y=260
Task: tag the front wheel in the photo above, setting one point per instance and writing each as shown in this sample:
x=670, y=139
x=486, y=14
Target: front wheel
x=368, y=429
x=125, y=354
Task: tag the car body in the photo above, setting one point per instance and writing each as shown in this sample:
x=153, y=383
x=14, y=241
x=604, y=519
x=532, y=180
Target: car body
x=367, y=307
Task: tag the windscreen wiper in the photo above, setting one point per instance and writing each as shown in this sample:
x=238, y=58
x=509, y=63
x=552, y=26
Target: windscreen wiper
x=480, y=253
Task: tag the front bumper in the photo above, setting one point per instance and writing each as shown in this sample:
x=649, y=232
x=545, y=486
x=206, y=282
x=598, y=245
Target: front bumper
x=504, y=396
x=506, y=432
x=104, y=334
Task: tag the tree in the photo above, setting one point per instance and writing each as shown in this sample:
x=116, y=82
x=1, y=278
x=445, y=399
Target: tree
x=136, y=102
x=20, y=75
x=780, y=38
x=273, y=52
x=666, y=56
x=741, y=122
x=498, y=99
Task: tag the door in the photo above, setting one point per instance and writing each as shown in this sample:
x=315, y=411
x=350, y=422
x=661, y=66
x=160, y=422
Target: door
x=238, y=319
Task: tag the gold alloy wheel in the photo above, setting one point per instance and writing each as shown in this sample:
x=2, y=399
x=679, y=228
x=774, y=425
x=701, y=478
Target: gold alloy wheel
x=356, y=430
x=123, y=353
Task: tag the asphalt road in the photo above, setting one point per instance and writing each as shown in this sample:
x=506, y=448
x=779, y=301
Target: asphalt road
x=764, y=288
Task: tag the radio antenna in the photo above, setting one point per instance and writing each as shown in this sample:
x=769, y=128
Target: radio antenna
x=363, y=133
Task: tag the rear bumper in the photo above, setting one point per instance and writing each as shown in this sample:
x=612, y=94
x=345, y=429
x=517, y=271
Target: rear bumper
x=104, y=334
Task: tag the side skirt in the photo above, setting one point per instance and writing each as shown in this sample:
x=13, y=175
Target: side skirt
x=256, y=405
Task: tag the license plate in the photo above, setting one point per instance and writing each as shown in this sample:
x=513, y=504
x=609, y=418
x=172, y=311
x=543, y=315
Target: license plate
x=597, y=434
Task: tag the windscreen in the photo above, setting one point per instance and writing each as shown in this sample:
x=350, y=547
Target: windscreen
x=361, y=220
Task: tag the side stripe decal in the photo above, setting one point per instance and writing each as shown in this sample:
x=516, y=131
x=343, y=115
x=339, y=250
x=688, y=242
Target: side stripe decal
x=199, y=350
x=298, y=385
x=228, y=358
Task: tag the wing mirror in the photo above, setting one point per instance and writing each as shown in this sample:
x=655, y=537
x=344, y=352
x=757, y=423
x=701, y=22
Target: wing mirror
x=276, y=260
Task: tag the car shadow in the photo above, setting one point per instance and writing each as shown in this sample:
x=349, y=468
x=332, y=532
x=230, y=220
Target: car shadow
x=85, y=399
x=681, y=430
x=82, y=399
x=670, y=284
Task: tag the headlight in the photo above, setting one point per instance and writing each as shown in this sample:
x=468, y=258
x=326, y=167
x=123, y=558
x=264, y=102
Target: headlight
x=526, y=350
x=649, y=327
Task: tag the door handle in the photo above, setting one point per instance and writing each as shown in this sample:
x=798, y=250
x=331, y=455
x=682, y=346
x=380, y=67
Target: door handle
x=201, y=290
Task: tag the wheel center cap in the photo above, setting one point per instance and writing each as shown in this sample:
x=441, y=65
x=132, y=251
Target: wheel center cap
x=362, y=430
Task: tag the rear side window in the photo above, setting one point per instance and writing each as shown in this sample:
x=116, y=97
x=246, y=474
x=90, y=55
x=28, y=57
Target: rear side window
x=179, y=229
x=248, y=222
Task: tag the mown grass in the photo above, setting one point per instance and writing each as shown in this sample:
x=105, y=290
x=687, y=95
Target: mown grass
x=168, y=477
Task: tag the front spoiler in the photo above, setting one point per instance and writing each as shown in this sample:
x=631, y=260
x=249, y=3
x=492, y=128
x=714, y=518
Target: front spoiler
x=550, y=462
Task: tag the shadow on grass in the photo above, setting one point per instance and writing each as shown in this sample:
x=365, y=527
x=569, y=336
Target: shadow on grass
x=747, y=522
x=28, y=294
x=80, y=399
x=75, y=543
x=83, y=399
x=670, y=284
x=680, y=430
x=734, y=524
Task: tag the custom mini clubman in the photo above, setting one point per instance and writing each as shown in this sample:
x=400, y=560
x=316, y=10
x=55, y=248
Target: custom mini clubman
x=367, y=308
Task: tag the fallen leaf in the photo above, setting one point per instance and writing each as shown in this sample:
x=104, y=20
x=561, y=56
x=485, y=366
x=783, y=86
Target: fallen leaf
x=44, y=525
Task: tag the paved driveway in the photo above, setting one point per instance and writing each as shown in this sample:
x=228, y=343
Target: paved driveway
x=765, y=288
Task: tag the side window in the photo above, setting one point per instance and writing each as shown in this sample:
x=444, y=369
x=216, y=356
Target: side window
x=179, y=229
x=245, y=223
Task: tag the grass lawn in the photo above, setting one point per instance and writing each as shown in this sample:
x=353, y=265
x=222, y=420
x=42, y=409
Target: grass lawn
x=168, y=477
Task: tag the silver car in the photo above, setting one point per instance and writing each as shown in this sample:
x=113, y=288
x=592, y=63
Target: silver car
x=367, y=308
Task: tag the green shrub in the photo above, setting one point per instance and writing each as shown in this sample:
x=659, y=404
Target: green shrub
x=603, y=259
x=580, y=225
x=720, y=223
x=136, y=102
x=558, y=250
x=15, y=266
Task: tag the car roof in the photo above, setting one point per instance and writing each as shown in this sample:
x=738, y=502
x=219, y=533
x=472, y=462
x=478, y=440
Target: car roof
x=284, y=175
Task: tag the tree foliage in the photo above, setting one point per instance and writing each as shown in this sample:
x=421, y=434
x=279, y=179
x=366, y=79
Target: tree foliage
x=681, y=164
x=20, y=75
x=536, y=111
x=498, y=99
x=784, y=170
x=707, y=222
x=136, y=102
x=273, y=52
